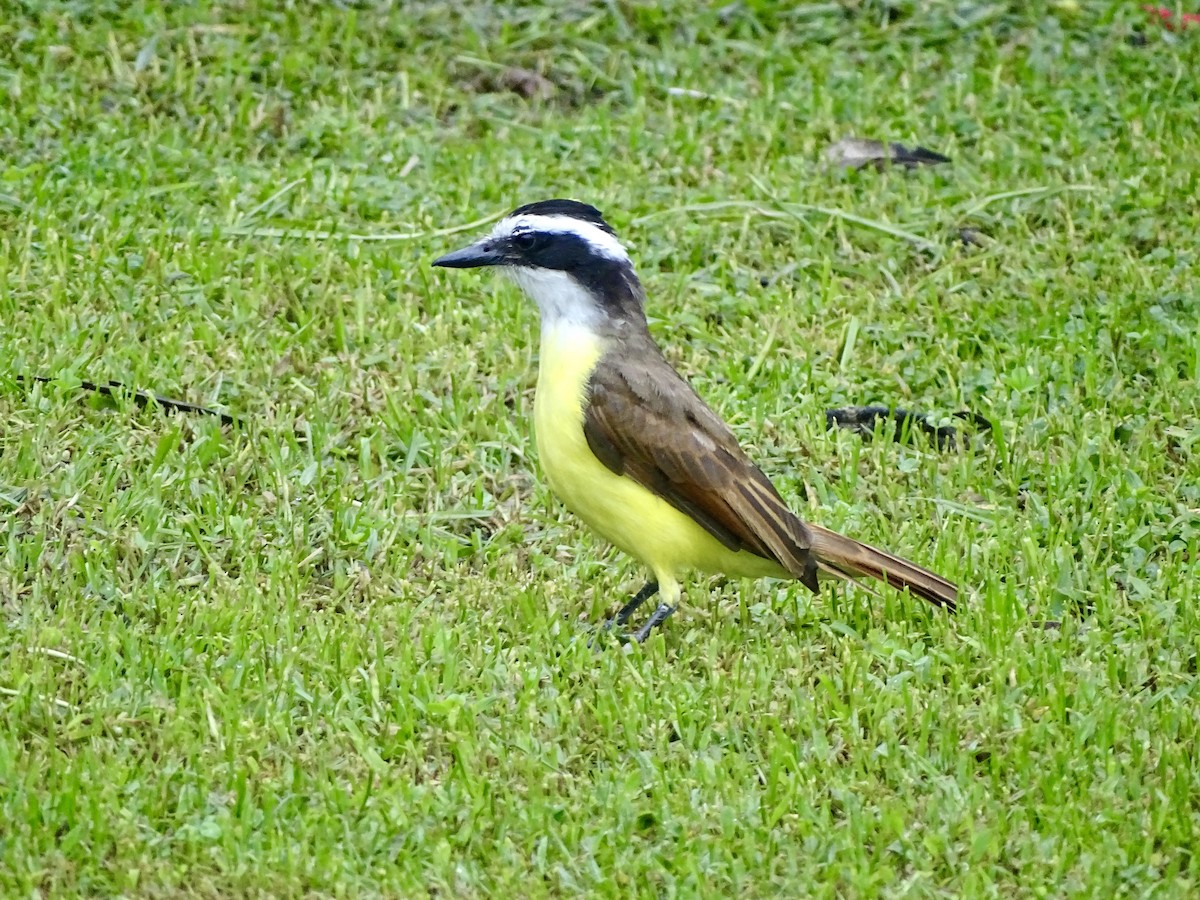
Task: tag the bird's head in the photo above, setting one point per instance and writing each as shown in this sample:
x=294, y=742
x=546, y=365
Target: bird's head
x=566, y=258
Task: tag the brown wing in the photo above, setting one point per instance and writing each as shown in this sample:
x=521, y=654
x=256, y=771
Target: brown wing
x=645, y=422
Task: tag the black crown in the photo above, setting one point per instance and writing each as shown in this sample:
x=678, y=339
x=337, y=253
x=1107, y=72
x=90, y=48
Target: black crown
x=572, y=208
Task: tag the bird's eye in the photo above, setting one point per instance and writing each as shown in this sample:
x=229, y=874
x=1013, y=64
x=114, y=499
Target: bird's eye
x=525, y=241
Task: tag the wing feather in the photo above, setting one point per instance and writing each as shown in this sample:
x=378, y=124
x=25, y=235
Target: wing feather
x=644, y=421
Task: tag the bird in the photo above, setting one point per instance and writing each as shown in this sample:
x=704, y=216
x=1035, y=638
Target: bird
x=628, y=445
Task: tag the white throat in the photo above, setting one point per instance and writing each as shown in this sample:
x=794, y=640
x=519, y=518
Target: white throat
x=561, y=300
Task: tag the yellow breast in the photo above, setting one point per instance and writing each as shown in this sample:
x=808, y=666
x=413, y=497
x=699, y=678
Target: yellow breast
x=620, y=510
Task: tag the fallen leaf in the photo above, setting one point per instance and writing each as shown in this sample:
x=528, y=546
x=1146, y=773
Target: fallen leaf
x=863, y=420
x=1166, y=17
x=855, y=153
x=529, y=84
x=973, y=237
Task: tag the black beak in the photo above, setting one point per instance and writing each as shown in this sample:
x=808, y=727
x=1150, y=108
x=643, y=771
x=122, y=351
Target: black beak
x=482, y=253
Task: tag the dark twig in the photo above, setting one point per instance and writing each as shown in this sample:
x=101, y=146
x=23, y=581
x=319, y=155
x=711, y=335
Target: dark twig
x=142, y=398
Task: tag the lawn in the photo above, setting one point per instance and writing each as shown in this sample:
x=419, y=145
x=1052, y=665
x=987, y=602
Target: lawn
x=341, y=647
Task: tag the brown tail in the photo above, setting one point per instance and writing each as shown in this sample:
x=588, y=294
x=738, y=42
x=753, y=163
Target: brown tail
x=848, y=558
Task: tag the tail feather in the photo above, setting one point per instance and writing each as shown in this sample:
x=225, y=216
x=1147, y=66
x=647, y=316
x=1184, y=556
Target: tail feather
x=847, y=558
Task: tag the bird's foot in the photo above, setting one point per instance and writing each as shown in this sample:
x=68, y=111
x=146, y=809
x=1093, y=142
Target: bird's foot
x=621, y=619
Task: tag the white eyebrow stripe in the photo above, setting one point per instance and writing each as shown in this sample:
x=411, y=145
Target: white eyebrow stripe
x=600, y=240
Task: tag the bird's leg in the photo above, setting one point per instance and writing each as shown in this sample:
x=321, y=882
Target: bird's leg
x=670, y=592
x=660, y=615
x=623, y=615
x=648, y=590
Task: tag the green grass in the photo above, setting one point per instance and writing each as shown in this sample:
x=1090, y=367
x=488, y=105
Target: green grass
x=342, y=650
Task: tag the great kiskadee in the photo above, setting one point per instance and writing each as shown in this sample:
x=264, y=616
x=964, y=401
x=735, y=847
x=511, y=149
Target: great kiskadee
x=630, y=447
